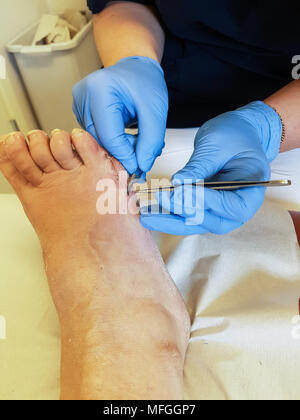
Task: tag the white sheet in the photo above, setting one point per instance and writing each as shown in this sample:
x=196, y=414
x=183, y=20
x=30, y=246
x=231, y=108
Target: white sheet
x=242, y=292
x=241, y=344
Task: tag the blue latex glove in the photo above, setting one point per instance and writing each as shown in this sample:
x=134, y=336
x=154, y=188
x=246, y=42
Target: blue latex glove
x=236, y=146
x=107, y=101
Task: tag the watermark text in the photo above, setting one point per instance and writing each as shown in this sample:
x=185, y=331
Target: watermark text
x=158, y=196
x=296, y=68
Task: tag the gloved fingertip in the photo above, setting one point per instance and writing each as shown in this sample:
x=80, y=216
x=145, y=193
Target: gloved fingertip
x=145, y=222
x=178, y=179
x=130, y=165
x=146, y=163
x=143, y=176
x=139, y=175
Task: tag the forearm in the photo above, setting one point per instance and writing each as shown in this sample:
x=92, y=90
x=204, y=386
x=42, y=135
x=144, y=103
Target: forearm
x=126, y=29
x=287, y=102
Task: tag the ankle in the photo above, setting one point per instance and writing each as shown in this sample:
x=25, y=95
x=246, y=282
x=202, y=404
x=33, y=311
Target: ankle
x=136, y=348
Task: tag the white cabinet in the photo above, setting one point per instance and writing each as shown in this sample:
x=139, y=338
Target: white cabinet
x=15, y=16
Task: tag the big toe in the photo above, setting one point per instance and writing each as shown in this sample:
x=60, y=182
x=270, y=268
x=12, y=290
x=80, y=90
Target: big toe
x=93, y=155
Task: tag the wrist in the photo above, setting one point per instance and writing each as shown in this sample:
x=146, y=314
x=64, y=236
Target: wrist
x=268, y=124
x=282, y=123
x=142, y=59
x=130, y=55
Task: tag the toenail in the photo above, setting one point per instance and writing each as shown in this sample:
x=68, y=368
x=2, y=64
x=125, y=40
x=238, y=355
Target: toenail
x=13, y=133
x=10, y=139
x=78, y=132
x=32, y=132
x=53, y=132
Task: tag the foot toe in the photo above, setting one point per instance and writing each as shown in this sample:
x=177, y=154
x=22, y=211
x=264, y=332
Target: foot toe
x=89, y=150
x=17, y=152
x=39, y=146
x=62, y=150
x=16, y=180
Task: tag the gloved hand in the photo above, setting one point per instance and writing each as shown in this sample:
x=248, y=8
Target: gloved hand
x=107, y=101
x=236, y=146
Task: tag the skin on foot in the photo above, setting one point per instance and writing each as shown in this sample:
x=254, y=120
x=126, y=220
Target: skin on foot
x=51, y=179
x=105, y=273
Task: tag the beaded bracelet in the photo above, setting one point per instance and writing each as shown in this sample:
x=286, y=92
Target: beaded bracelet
x=283, y=125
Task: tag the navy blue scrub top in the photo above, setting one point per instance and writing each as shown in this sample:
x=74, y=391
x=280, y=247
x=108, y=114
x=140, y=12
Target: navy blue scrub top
x=223, y=54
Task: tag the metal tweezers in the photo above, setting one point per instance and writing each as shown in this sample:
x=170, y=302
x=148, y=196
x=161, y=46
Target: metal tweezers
x=230, y=185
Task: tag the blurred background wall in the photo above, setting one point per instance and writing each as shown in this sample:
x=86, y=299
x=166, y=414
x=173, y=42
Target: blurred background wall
x=58, y=6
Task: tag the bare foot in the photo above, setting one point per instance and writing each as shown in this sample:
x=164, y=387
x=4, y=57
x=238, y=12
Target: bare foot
x=124, y=325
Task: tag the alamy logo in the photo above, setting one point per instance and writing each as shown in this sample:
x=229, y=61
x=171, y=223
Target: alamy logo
x=2, y=67
x=296, y=69
x=2, y=328
x=183, y=199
